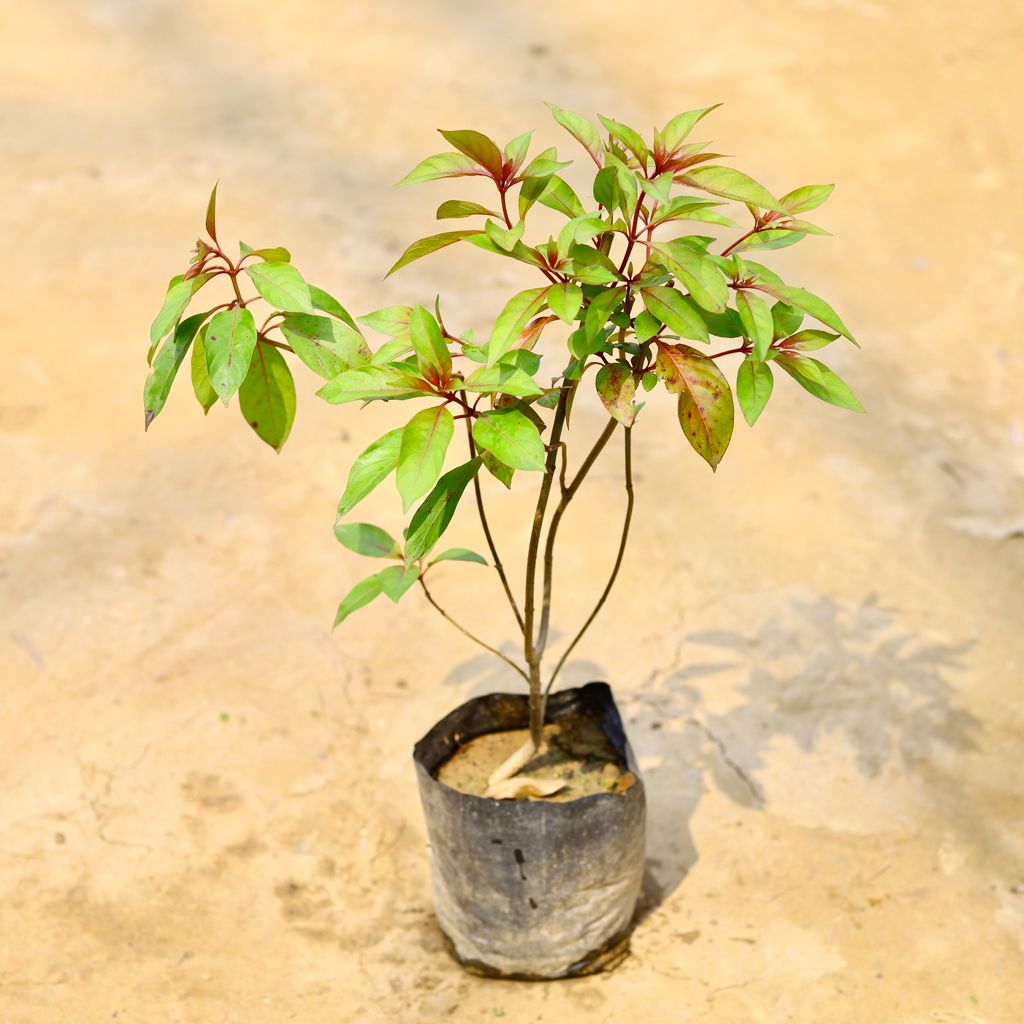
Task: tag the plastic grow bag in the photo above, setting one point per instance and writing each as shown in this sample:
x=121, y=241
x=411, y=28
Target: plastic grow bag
x=527, y=888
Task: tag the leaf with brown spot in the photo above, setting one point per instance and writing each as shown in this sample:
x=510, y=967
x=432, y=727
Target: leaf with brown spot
x=705, y=399
x=616, y=387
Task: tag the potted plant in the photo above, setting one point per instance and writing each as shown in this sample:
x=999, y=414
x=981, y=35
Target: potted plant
x=534, y=808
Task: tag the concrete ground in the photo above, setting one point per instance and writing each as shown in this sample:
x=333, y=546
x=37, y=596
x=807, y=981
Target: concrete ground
x=209, y=812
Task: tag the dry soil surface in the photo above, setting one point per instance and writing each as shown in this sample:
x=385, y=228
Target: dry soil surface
x=209, y=811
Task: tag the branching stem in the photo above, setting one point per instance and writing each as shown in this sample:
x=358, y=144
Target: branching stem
x=487, y=529
x=465, y=632
x=568, y=493
x=628, y=455
x=533, y=656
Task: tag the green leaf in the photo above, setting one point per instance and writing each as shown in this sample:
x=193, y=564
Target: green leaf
x=518, y=312
x=579, y=229
x=809, y=303
x=545, y=164
x=371, y=467
x=658, y=188
x=267, y=396
x=807, y=197
x=328, y=347
x=606, y=187
x=431, y=519
x=503, y=379
x=453, y=208
x=628, y=137
x=805, y=226
x=179, y=294
x=392, y=321
x=754, y=384
x=616, y=388
x=558, y=195
x=670, y=307
x=425, y=442
x=565, y=300
x=517, y=149
x=582, y=130
x=201, y=385
x=327, y=303
x=732, y=184
x=646, y=327
x=442, y=165
x=809, y=341
x=819, y=380
x=674, y=134
x=512, y=437
x=688, y=208
x=772, y=238
x=425, y=246
x=761, y=273
x=785, y=319
x=397, y=579
x=371, y=383
x=429, y=344
x=701, y=277
x=628, y=188
x=591, y=266
x=369, y=540
x=165, y=366
x=211, y=214
x=230, y=340
x=477, y=147
x=758, y=326
x=721, y=325
x=581, y=346
x=460, y=555
x=600, y=309
x=520, y=252
x=505, y=238
x=705, y=399
x=275, y=254
x=359, y=596
x=282, y=286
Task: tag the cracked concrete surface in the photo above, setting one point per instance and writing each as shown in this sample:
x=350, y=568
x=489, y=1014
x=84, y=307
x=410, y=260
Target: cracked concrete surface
x=209, y=810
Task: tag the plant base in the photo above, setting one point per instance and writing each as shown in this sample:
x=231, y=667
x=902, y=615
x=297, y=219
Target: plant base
x=531, y=889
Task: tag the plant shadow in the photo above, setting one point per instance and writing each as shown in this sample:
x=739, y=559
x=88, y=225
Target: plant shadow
x=816, y=671
x=812, y=672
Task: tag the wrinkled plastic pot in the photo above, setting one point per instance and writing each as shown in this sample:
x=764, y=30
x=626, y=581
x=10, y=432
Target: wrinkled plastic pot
x=526, y=888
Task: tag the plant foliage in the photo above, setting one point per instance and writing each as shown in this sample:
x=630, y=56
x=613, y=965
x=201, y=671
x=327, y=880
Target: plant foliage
x=639, y=303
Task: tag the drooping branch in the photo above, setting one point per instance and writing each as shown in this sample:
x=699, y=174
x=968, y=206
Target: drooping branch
x=628, y=455
x=465, y=632
x=486, y=526
x=568, y=493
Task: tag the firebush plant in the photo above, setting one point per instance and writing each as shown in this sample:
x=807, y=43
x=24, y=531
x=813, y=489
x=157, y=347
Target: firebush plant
x=631, y=294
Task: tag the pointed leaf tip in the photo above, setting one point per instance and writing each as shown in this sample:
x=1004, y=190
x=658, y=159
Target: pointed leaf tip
x=211, y=213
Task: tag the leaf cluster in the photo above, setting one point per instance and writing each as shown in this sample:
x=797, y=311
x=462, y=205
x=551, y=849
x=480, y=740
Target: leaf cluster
x=639, y=301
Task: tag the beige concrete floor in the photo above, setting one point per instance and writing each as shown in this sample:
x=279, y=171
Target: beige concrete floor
x=208, y=808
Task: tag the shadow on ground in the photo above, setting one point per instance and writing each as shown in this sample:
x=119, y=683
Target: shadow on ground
x=814, y=671
x=817, y=670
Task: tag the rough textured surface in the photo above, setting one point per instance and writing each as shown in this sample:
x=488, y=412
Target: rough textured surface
x=209, y=809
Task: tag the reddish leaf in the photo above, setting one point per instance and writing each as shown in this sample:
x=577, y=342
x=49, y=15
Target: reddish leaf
x=477, y=147
x=705, y=399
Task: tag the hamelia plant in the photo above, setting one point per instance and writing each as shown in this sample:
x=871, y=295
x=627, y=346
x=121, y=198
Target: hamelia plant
x=631, y=295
